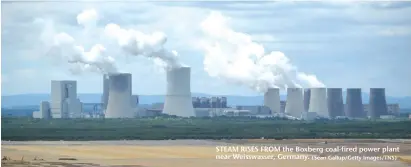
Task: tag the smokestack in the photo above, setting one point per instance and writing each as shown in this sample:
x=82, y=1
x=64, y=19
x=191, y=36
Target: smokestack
x=377, y=103
x=335, y=102
x=318, y=102
x=119, y=99
x=104, y=97
x=295, y=104
x=272, y=99
x=178, y=99
x=307, y=94
x=354, y=107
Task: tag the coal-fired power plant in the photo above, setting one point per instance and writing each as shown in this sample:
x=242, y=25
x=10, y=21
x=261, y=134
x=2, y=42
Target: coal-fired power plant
x=178, y=98
x=119, y=96
x=318, y=102
x=354, y=107
x=377, y=103
x=335, y=102
x=272, y=100
x=295, y=102
x=307, y=94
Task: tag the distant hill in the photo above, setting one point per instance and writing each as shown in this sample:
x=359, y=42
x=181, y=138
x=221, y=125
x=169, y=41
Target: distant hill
x=34, y=99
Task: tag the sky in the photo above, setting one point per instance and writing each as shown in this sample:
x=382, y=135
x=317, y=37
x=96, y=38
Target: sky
x=343, y=43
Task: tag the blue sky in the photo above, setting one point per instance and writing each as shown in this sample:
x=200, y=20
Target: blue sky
x=345, y=44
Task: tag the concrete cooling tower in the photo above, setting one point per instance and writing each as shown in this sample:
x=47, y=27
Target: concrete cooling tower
x=272, y=100
x=119, y=99
x=335, y=102
x=295, y=104
x=104, y=97
x=354, y=107
x=318, y=102
x=307, y=94
x=178, y=98
x=377, y=103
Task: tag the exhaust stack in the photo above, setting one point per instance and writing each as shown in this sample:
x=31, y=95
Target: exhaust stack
x=272, y=100
x=178, y=99
x=119, y=98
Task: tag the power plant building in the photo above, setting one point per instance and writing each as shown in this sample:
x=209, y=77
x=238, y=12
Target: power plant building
x=64, y=102
x=178, y=98
x=318, y=102
x=354, y=106
x=272, y=100
x=377, y=103
x=119, y=103
x=295, y=102
x=335, y=102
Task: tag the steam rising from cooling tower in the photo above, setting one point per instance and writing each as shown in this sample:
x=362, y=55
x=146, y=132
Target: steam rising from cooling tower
x=178, y=99
x=378, y=103
x=136, y=43
x=272, y=100
x=354, y=107
x=295, y=105
x=335, y=102
x=234, y=57
x=119, y=97
x=318, y=102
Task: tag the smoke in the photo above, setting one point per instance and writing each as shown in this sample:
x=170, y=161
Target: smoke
x=233, y=56
x=66, y=48
x=136, y=43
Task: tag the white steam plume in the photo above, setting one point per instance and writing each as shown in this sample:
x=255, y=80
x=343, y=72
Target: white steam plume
x=136, y=43
x=233, y=56
x=64, y=46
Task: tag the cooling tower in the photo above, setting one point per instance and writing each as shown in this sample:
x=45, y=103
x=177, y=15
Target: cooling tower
x=295, y=104
x=377, y=103
x=119, y=99
x=272, y=100
x=307, y=94
x=178, y=99
x=318, y=102
x=104, y=97
x=354, y=107
x=335, y=102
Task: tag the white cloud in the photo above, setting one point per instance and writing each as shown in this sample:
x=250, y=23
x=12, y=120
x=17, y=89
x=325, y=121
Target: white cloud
x=395, y=31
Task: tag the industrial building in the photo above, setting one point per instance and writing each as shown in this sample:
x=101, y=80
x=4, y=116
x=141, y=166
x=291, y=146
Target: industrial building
x=256, y=110
x=64, y=102
x=295, y=102
x=377, y=103
x=119, y=96
x=178, y=99
x=318, y=102
x=335, y=102
x=353, y=104
x=213, y=102
x=44, y=112
x=272, y=100
x=392, y=109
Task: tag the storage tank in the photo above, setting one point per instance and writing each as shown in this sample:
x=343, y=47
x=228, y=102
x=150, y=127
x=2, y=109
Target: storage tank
x=354, y=107
x=119, y=99
x=335, y=102
x=307, y=93
x=295, y=103
x=272, y=100
x=318, y=102
x=178, y=98
x=377, y=103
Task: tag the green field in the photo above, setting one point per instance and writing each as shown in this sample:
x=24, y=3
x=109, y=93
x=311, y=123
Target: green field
x=161, y=128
